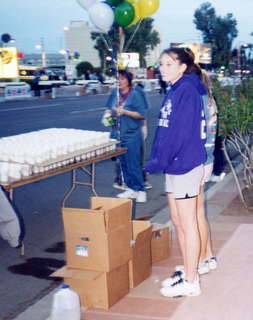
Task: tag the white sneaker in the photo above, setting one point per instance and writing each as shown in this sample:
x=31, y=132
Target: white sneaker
x=182, y=288
x=215, y=178
x=212, y=263
x=128, y=194
x=222, y=176
x=173, y=279
x=141, y=196
x=147, y=185
x=219, y=178
x=120, y=186
x=203, y=267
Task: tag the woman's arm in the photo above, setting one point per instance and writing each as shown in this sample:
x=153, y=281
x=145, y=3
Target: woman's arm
x=135, y=102
x=133, y=114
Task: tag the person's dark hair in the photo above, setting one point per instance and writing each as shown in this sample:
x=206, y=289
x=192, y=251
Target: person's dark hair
x=207, y=82
x=186, y=56
x=126, y=74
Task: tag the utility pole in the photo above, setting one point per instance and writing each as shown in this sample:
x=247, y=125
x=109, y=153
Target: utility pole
x=43, y=53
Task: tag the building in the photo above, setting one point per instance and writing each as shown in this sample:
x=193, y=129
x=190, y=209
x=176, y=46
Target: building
x=78, y=41
x=35, y=59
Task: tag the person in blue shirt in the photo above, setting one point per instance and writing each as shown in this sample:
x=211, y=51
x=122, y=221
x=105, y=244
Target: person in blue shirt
x=127, y=107
x=207, y=260
x=178, y=150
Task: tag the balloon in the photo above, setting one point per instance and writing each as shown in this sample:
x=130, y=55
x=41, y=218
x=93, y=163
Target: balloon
x=101, y=14
x=148, y=7
x=114, y=3
x=124, y=14
x=135, y=4
x=85, y=4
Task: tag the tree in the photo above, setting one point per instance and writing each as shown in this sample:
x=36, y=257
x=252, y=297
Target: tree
x=145, y=39
x=84, y=67
x=217, y=31
x=235, y=125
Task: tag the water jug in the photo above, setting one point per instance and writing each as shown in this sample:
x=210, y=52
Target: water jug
x=66, y=304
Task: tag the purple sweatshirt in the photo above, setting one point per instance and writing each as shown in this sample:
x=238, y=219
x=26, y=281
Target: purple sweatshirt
x=178, y=146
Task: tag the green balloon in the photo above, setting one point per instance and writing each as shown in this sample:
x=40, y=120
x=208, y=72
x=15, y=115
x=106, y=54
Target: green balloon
x=114, y=3
x=124, y=14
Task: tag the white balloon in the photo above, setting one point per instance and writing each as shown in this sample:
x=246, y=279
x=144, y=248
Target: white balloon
x=86, y=4
x=101, y=15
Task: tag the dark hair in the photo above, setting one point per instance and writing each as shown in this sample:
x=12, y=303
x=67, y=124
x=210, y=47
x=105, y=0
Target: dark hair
x=186, y=56
x=126, y=74
x=207, y=82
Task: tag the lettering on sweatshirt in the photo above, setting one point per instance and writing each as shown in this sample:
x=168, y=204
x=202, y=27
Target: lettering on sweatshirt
x=165, y=112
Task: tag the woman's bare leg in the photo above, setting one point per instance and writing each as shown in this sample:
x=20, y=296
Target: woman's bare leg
x=187, y=213
x=176, y=221
x=205, y=241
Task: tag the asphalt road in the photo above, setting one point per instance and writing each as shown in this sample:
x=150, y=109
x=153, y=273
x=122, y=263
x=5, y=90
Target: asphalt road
x=25, y=279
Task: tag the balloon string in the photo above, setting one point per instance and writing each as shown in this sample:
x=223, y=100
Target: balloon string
x=121, y=39
x=131, y=38
x=105, y=42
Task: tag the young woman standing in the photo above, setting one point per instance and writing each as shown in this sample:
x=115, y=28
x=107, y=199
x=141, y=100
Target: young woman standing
x=178, y=150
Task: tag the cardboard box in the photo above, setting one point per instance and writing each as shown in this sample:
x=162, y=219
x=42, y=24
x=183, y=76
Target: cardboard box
x=140, y=263
x=99, y=238
x=160, y=242
x=97, y=289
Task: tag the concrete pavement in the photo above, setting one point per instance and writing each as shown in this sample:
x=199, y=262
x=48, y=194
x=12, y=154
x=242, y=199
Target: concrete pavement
x=219, y=197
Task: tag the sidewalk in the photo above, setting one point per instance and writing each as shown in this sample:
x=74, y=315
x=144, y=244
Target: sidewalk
x=225, y=293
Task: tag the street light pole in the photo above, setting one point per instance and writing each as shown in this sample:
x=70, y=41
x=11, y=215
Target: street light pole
x=43, y=53
x=41, y=47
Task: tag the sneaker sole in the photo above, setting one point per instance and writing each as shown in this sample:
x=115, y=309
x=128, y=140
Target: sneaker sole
x=191, y=294
x=201, y=272
x=132, y=198
x=119, y=187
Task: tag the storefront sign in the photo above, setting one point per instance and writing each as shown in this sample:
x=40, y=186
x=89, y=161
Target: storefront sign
x=8, y=63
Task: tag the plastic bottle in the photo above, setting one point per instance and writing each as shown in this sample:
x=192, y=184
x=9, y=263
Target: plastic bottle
x=66, y=304
x=107, y=119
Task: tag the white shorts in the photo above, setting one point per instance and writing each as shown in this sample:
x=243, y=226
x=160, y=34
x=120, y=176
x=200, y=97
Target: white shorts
x=186, y=185
x=208, y=169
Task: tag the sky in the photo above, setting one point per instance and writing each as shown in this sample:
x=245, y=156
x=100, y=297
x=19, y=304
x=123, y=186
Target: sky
x=28, y=21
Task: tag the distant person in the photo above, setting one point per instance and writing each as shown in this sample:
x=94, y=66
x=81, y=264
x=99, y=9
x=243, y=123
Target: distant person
x=207, y=260
x=139, y=86
x=93, y=76
x=100, y=78
x=150, y=73
x=128, y=114
x=35, y=85
x=219, y=161
x=87, y=75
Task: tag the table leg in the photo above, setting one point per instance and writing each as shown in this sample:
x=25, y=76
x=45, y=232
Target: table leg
x=73, y=185
x=93, y=178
